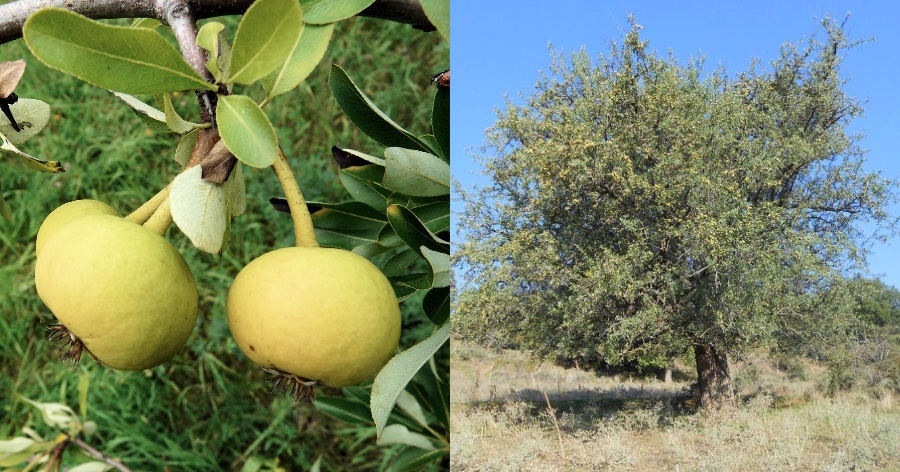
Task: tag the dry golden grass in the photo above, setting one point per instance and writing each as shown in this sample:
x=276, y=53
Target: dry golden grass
x=509, y=413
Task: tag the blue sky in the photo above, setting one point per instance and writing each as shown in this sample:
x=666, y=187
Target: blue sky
x=499, y=47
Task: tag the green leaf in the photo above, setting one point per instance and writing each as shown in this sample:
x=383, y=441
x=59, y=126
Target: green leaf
x=410, y=406
x=367, y=116
x=199, y=209
x=344, y=409
x=174, y=121
x=438, y=13
x=364, y=185
x=440, y=121
x=149, y=23
x=398, y=372
x=399, y=434
x=415, y=173
x=120, y=58
x=414, y=459
x=209, y=37
x=330, y=11
x=31, y=115
x=155, y=119
x=400, y=262
x=306, y=54
x=412, y=231
x=83, y=384
x=347, y=225
x=266, y=36
x=186, y=147
x=440, y=266
x=436, y=305
x=435, y=216
x=30, y=161
x=246, y=131
x=20, y=449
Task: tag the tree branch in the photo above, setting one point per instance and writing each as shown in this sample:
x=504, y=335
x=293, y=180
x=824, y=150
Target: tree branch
x=13, y=15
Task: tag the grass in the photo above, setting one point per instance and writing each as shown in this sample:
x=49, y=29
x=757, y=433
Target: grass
x=510, y=413
x=209, y=408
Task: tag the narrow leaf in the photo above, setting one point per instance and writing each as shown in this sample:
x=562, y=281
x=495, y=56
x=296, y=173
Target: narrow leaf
x=415, y=459
x=265, y=38
x=408, y=404
x=398, y=372
x=440, y=121
x=199, y=209
x=347, y=225
x=32, y=116
x=364, y=185
x=246, y=131
x=367, y=116
x=344, y=409
x=415, y=173
x=83, y=384
x=330, y=11
x=306, y=54
x=120, y=58
x=438, y=13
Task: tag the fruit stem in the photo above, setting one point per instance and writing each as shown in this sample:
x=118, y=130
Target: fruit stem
x=161, y=219
x=303, y=225
x=145, y=211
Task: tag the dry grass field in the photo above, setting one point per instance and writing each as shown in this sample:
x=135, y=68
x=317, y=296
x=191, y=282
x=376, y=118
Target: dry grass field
x=511, y=413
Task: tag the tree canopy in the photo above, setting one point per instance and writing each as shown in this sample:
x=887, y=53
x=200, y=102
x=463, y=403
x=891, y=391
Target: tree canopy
x=641, y=207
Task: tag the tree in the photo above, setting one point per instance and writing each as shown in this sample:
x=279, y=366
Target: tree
x=395, y=222
x=638, y=210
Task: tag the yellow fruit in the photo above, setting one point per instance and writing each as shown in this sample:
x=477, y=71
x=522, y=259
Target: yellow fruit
x=320, y=314
x=124, y=291
x=67, y=213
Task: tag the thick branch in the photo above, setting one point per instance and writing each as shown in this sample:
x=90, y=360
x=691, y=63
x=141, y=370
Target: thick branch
x=13, y=15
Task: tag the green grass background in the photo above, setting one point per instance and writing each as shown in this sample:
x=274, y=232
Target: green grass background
x=209, y=408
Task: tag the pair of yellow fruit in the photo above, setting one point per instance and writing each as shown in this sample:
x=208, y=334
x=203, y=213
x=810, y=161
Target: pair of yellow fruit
x=318, y=314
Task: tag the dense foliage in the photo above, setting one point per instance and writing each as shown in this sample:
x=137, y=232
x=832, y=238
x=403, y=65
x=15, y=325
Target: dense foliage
x=640, y=209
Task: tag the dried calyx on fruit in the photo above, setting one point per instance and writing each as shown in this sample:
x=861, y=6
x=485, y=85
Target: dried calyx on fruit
x=120, y=290
x=311, y=315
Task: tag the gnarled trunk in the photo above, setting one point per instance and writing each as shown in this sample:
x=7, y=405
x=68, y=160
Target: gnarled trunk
x=713, y=378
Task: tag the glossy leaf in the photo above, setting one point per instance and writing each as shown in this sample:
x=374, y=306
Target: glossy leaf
x=399, y=263
x=440, y=121
x=29, y=160
x=302, y=60
x=436, y=304
x=415, y=173
x=246, y=131
x=120, y=58
x=31, y=115
x=344, y=409
x=367, y=116
x=330, y=11
x=199, y=208
x=412, y=231
x=435, y=216
x=266, y=36
x=398, y=372
x=347, y=225
x=438, y=13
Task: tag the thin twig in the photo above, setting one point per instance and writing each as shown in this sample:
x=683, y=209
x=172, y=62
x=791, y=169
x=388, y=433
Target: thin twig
x=99, y=455
x=180, y=17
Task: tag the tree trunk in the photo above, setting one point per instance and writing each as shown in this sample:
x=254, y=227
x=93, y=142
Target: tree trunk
x=713, y=378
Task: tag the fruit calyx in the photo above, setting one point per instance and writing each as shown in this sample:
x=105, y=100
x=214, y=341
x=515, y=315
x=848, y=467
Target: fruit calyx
x=300, y=389
x=73, y=347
